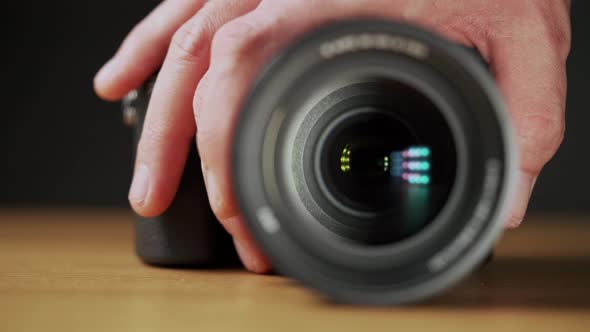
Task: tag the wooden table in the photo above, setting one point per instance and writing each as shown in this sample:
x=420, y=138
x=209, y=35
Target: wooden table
x=76, y=271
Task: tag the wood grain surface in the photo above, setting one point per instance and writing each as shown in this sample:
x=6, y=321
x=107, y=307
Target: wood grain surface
x=74, y=270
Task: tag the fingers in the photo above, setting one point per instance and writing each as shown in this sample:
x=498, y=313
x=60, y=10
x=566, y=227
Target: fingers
x=144, y=48
x=252, y=258
x=169, y=126
x=238, y=50
x=530, y=71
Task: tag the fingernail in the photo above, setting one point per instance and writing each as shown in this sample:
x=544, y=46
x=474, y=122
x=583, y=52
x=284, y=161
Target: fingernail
x=106, y=73
x=140, y=184
x=248, y=259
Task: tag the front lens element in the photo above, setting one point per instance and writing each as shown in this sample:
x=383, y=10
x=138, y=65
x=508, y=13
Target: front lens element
x=385, y=163
x=355, y=159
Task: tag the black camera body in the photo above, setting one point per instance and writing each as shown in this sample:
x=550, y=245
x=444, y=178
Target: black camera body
x=373, y=161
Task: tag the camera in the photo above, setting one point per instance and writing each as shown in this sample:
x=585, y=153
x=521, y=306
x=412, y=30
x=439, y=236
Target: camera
x=373, y=161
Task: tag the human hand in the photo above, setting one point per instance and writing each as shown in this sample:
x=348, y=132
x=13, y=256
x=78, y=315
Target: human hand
x=211, y=52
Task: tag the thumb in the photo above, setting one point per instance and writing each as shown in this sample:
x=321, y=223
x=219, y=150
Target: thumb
x=530, y=69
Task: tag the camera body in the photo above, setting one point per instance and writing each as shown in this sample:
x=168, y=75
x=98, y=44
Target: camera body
x=373, y=161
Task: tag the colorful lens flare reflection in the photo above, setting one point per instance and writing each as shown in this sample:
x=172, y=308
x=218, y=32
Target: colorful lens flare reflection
x=412, y=165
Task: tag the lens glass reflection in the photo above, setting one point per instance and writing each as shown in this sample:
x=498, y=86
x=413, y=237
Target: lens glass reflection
x=388, y=174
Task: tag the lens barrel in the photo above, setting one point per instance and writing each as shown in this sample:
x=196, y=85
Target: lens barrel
x=373, y=161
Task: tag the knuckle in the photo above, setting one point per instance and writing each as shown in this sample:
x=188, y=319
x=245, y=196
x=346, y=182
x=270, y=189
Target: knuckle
x=151, y=137
x=553, y=23
x=191, y=42
x=236, y=38
x=541, y=135
x=544, y=130
x=155, y=137
x=550, y=35
x=560, y=40
x=230, y=38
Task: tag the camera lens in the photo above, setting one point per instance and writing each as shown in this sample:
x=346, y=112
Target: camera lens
x=386, y=175
x=373, y=162
x=360, y=160
x=379, y=160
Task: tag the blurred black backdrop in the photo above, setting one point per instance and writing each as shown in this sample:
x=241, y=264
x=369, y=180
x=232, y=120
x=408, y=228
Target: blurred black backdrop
x=62, y=146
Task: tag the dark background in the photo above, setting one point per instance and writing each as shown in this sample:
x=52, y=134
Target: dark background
x=67, y=148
